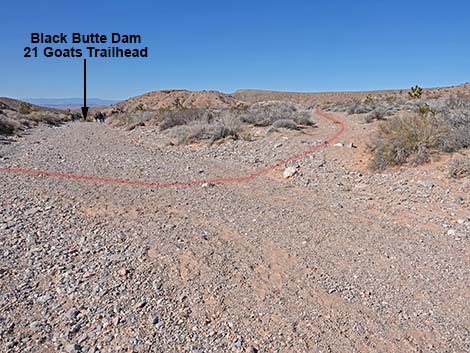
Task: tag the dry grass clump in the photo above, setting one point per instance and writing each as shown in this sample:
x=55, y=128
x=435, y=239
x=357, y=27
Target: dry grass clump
x=459, y=167
x=139, y=118
x=412, y=137
x=13, y=123
x=189, y=125
x=377, y=114
x=54, y=119
x=407, y=138
x=285, y=124
x=455, y=114
x=192, y=125
x=376, y=108
x=206, y=130
x=9, y=126
x=174, y=118
x=130, y=120
x=266, y=113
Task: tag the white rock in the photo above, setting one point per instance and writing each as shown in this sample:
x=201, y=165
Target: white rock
x=425, y=184
x=289, y=172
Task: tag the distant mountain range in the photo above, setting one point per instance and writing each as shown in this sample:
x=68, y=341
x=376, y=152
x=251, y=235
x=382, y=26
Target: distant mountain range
x=70, y=103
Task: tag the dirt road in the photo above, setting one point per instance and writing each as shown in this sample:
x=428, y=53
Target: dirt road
x=335, y=259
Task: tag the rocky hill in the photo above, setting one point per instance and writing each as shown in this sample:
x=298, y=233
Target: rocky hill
x=17, y=116
x=175, y=99
x=20, y=106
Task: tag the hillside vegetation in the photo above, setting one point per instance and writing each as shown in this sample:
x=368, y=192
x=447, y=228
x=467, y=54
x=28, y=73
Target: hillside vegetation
x=189, y=125
x=17, y=116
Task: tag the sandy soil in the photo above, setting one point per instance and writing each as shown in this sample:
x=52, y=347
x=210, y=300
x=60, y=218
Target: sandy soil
x=334, y=259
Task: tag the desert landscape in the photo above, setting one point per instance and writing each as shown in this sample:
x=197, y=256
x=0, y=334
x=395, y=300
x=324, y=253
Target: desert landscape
x=256, y=221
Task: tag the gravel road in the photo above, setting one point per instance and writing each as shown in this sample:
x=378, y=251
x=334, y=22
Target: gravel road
x=334, y=259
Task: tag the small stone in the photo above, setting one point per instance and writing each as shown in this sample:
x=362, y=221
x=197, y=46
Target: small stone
x=71, y=314
x=140, y=304
x=32, y=211
x=352, y=145
x=339, y=144
x=207, y=185
x=73, y=348
x=116, y=321
x=154, y=319
x=425, y=184
x=122, y=272
x=35, y=324
x=45, y=298
x=322, y=162
x=289, y=172
x=451, y=232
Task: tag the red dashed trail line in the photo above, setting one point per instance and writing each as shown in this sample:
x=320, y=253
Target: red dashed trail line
x=239, y=179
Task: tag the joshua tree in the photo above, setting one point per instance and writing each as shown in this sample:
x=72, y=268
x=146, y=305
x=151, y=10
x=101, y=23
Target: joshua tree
x=415, y=92
x=139, y=107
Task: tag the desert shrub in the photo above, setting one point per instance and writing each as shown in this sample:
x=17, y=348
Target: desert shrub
x=459, y=167
x=304, y=119
x=8, y=126
x=360, y=108
x=439, y=125
x=137, y=118
x=455, y=114
x=117, y=119
x=200, y=130
x=407, y=138
x=336, y=107
x=174, y=118
x=376, y=114
x=266, y=113
x=285, y=124
x=25, y=108
x=45, y=117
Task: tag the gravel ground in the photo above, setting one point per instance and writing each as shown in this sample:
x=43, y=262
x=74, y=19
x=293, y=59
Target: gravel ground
x=334, y=259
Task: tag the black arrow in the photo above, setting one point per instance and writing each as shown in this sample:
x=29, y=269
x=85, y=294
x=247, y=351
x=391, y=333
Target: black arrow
x=84, y=108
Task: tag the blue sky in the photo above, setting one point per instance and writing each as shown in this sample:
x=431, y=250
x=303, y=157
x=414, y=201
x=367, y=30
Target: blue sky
x=225, y=45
